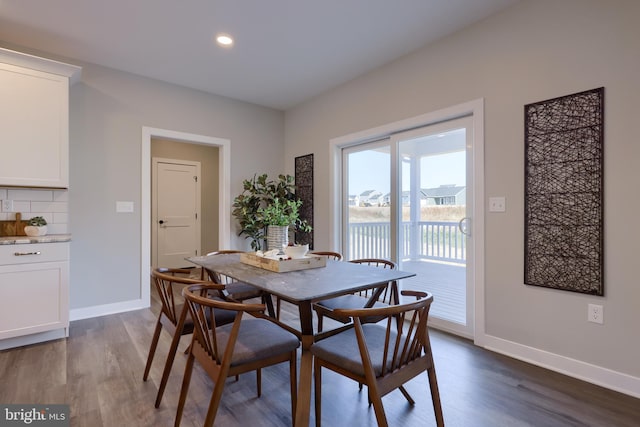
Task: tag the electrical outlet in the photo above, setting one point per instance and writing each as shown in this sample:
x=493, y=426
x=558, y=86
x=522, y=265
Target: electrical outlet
x=595, y=313
x=7, y=206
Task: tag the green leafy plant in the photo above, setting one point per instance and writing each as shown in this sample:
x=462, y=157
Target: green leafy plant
x=280, y=212
x=266, y=202
x=37, y=221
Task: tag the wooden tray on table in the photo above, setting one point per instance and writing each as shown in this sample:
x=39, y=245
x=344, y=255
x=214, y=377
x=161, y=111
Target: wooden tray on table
x=283, y=264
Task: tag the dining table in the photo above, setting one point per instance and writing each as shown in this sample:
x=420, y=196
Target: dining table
x=303, y=288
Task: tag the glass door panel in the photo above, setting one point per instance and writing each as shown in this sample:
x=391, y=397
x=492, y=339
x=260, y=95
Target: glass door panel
x=433, y=208
x=367, y=220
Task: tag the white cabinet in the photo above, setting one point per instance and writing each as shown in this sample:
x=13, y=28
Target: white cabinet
x=34, y=290
x=34, y=120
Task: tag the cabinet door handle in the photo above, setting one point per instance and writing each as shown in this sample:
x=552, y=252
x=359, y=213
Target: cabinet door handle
x=27, y=253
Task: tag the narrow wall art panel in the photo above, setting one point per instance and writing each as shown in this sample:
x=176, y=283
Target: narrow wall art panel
x=564, y=204
x=304, y=192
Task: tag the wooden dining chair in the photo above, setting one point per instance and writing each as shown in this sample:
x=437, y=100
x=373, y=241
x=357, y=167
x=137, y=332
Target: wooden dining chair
x=386, y=295
x=336, y=256
x=174, y=317
x=383, y=356
x=235, y=290
x=248, y=344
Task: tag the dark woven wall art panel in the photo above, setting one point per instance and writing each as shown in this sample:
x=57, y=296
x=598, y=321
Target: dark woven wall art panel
x=304, y=192
x=563, y=193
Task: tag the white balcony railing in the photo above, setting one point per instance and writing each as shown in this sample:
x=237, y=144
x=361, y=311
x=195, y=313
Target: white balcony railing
x=435, y=240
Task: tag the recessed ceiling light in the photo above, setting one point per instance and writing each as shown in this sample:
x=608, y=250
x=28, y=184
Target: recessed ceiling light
x=224, y=40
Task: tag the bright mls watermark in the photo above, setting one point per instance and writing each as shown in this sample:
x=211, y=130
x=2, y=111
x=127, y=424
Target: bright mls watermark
x=34, y=415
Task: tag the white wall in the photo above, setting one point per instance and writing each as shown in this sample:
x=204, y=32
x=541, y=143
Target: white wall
x=108, y=111
x=535, y=50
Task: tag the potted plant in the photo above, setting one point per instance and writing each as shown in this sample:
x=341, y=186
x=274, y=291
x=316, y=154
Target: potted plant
x=264, y=202
x=37, y=227
x=278, y=216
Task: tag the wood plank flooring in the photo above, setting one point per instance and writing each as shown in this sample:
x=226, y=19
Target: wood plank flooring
x=98, y=372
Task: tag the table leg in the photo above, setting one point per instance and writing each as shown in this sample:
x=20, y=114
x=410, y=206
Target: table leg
x=268, y=302
x=306, y=366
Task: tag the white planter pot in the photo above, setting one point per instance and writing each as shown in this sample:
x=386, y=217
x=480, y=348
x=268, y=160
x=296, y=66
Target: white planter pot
x=277, y=236
x=33, y=231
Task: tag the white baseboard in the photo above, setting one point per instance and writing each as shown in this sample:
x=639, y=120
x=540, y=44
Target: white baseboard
x=598, y=375
x=39, y=337
x=106, y=309
x=75, y=314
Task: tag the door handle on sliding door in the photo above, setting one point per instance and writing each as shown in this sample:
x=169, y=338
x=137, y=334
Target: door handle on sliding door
x=462, y=226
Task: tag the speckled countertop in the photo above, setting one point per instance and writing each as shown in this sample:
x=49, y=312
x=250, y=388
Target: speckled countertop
x=49, y=238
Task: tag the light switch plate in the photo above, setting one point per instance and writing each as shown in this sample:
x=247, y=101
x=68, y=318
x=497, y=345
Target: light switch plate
x=497, y=204
x=124, y=207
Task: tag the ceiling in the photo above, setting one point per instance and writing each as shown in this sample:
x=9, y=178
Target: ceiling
x=285, y=51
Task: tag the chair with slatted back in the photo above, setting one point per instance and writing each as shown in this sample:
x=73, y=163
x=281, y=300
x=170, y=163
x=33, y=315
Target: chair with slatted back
x=250, y=343
x=383, y=356
x=237, y=291
x=387, y=295
x=336, y=256
x=174, y=317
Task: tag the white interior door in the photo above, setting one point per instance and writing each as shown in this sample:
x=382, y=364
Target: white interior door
x=175, y=211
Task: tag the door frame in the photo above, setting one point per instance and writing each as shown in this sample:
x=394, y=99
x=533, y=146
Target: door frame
x=224, y=189
x=473, y=108
x=155, y=161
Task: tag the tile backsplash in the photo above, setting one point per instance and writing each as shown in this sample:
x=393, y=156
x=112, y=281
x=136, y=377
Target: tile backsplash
x=53, y=205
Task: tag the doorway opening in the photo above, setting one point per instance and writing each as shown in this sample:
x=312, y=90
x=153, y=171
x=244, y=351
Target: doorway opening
x=223, y=190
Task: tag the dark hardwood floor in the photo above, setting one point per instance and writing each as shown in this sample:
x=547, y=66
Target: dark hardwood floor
x=98, y=372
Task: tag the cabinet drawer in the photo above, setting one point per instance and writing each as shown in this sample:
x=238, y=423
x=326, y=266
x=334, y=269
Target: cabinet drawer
x=33, y=253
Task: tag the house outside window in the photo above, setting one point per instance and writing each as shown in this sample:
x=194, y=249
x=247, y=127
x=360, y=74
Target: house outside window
x=444, y=195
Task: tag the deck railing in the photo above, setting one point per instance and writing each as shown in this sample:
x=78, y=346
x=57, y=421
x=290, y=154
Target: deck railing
x=437, y=240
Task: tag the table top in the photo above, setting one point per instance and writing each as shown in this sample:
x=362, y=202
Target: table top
x=313, y=284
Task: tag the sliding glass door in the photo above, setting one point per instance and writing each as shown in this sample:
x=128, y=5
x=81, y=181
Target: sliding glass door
x=408, y=201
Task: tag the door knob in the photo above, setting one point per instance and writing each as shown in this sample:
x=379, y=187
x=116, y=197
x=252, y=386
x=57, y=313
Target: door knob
x=161, y=222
